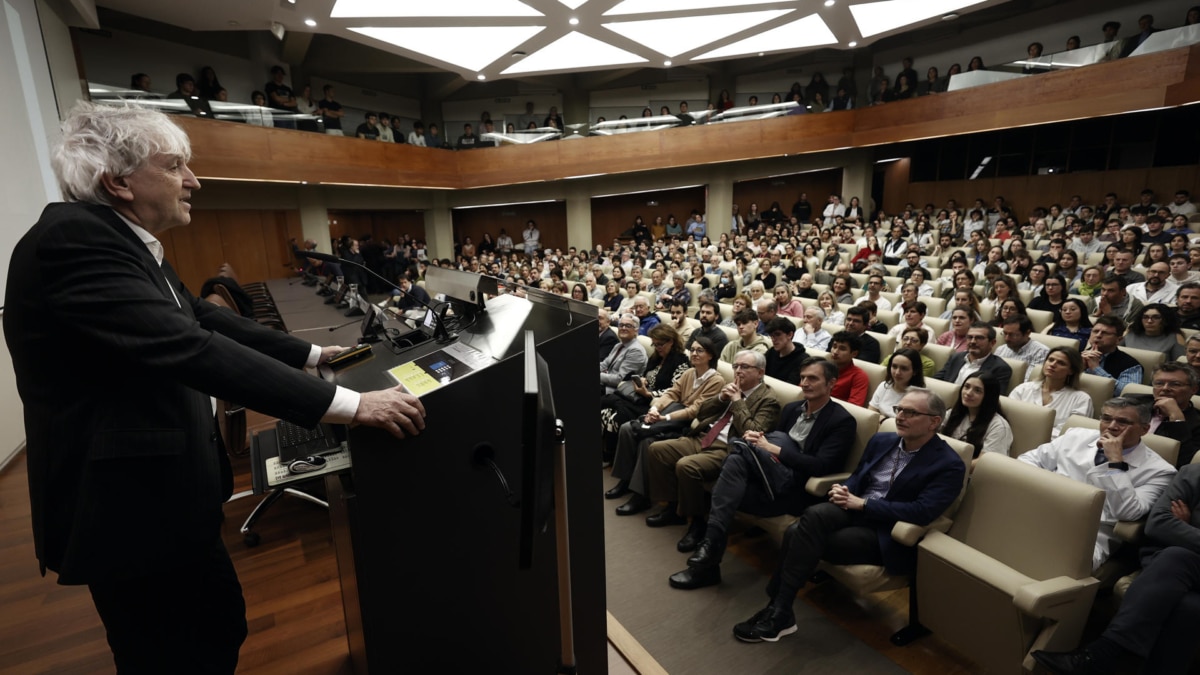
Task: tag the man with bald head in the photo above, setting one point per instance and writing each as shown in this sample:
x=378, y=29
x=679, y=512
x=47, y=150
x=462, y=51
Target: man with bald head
x=1157, y=287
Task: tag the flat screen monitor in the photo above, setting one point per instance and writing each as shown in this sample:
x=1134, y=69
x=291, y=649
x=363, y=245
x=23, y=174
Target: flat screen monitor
x=539, y=443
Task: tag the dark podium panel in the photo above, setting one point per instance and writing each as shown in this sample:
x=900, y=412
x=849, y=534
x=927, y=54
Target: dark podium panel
x=427, y=544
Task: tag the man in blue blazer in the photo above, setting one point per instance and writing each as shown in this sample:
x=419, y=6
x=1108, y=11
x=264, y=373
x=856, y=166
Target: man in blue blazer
x=765, y=473
x=911, y=476
x=115, y=363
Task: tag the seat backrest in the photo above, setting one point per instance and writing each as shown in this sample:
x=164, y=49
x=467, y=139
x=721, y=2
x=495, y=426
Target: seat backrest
x=868, y=425
x=785, y=392
x=1053, y=341
x=1167, y=448
x=887, y=344
x=875, y=375
x=1018, y=373
x=1040, y=318
x=694, y=290
x=939, y=353
x=947, y=391
x=935, y=306
x=725, y=370
x=1004, y=516
x=646, y=343
x=1150, y=361
x=1031, y=424
x=889, y=318
x=1098, y=387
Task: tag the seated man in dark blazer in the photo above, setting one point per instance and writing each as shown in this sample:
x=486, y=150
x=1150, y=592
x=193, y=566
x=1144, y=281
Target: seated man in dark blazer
x=1172, y=412
x=765, y=474
x=608, y=338
x=981, y=339
x=115, y=363
x=410, y=295
x=911, y=476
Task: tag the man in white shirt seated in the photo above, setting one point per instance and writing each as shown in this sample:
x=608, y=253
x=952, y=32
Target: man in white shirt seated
x=1018, y=345
x=1157, y=287
x=1113, y=459
x=874, y=287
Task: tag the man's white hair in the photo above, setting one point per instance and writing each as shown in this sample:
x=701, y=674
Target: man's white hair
x=114, y=141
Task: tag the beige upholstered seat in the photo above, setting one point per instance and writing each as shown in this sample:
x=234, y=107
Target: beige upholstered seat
x=875, y=375
x=940, y=355
x=875, y=578
x=1031, y=424
x=947, y=391
x=1150, y=361
x=1005, y=579
x=1053, y=341
x=1039, y=318
x=1099, y=388
x=1018, y=373
x=867, y=424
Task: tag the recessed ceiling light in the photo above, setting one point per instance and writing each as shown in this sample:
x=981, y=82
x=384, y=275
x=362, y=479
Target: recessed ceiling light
x=481, y=76
x=829, y=3
x=667, y=62
x=950, y=17
x=852, y=43
x=573, y=51
x=573, y=21
x=456, y=8
x=291, y=2
x=874, y=18
x=310, y=23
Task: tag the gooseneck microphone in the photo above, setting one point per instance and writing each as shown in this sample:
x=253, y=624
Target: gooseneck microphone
x=440, y=333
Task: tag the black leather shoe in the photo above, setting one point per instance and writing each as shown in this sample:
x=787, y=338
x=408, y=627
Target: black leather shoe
x=692, y=539
x=621, y=489
x=708, y=553
x=665, y=517
x=768, y=625
x=696, y=577
x=1078, y=662
x=636, y=504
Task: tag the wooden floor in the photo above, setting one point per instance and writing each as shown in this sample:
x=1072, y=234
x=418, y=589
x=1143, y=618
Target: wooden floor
x=294, y=602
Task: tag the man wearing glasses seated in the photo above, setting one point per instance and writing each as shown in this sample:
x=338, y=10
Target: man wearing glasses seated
x=911, y=475
x=1113, y=459
x=1174, y=416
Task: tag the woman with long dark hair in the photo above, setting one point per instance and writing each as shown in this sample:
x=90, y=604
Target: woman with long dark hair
x=904, y=371
x=1054, y=292
x=976, y=417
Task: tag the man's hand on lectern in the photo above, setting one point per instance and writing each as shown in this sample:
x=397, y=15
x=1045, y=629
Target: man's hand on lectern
x=394, y=410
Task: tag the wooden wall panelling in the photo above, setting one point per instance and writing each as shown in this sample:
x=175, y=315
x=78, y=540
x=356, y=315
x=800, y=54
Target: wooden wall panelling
x=278, y=252
x=895, y=184
x=612, y=216
x=1027, y=192
x=349, y=223
x=551, y=219
x=786, y=190
x=393, y=225
x=242, y=244
x=197, y=248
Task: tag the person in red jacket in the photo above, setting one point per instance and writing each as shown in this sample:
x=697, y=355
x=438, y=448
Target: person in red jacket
x=851, y=385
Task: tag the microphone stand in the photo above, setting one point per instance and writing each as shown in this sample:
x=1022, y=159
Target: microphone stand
x=440, y=333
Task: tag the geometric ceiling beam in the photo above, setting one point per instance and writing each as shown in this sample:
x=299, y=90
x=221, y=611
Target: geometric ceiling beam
x=811, y=31
x=657, y=6
x=672, y=37
x=571, y=52
x=874, y=18
x=468, y=47
x=373, y=9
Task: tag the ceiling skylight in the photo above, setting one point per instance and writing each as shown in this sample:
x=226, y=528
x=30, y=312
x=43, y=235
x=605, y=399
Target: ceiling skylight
x=347, y=9
x=651, y=6
x=811, y=31
x=470, y=47
x=874, y=18
x=574, y=51
x=673, y=37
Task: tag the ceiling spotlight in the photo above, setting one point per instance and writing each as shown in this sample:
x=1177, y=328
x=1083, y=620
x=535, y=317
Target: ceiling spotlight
x=852, y=43
x=574, y=21
x=667, y=62
x=829, y=3
x=310, y=23
x=481, y=76
x=950, y=17
x=518, y=55
x=291, y=2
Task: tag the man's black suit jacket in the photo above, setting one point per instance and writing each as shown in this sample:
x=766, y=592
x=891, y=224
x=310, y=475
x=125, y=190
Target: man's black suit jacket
x=825, y=449
x=125, y=472
x=993, y=366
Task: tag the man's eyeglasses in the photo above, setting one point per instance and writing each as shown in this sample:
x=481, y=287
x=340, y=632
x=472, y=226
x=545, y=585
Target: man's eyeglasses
x=627, y=325
x=744, y=366
x=1169, y=384
x=910, y=412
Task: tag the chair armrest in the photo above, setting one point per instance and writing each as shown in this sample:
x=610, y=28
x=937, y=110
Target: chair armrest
x=984, y=568
x=1043, y=598
x=819, y=486
x=1130, y=531
x=910, y=534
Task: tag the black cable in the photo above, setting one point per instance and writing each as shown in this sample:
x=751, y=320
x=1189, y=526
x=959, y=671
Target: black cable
x=508, y=493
